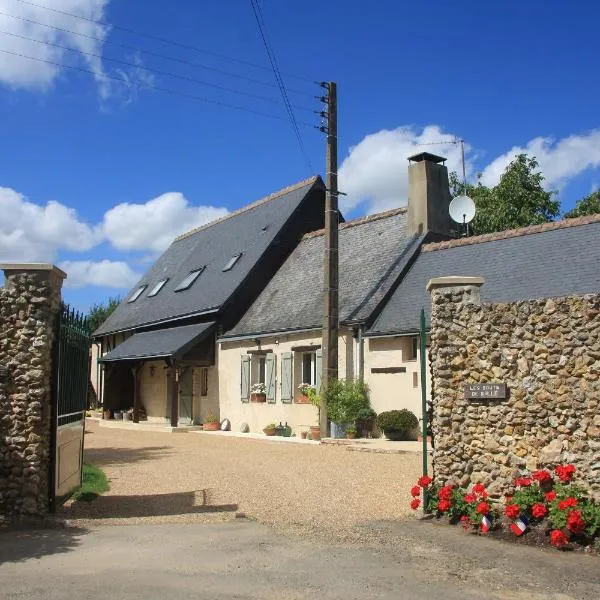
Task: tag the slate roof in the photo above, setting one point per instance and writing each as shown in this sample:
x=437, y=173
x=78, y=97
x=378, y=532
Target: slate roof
x=250, y=230
x=373, y=252
x=543, y=261
x=160, y=343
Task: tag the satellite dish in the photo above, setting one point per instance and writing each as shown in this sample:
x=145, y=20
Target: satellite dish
x=462, y=209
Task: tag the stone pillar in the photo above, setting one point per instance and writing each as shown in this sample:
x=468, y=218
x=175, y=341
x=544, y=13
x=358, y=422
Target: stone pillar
x=29, y=305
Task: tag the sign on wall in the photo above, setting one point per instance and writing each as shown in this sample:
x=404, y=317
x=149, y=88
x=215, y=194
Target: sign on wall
x=482, y=391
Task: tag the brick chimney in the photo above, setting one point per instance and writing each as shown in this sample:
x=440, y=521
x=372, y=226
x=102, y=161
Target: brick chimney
x=428, y=195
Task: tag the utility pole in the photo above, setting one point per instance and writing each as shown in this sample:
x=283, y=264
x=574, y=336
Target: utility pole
x=331, y=266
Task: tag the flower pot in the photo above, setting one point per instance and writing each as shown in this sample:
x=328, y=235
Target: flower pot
x=270, y=432
x=350, y=435
x=106, y=415
x=127, y=416
x=258, y=397
x=302, y=399
x=118, y=415
x=303, y=434
x=211, y=426
x=315, y=432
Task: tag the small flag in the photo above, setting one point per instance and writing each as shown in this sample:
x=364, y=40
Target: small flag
x=485, y=524
x=519, y=526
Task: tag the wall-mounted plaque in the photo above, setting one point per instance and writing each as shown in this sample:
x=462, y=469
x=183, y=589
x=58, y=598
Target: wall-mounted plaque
x=484, y=391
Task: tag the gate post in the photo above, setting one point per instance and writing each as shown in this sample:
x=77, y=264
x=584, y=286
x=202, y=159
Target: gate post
x=29, y=305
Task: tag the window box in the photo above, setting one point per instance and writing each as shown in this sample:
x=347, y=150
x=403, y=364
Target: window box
x=257, y=397
x=302, y=399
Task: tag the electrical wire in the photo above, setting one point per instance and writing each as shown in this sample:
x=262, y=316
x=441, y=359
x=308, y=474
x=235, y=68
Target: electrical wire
x=272, y=59
x=157, y=38
x=154, y=87
x=150, y=70
x=152, y=53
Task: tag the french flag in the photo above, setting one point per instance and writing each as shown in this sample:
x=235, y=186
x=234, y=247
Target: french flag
x=519, y=526
x=485, y=524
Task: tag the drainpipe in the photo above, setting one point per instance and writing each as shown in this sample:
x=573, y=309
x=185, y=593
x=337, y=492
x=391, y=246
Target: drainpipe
x=361, y=354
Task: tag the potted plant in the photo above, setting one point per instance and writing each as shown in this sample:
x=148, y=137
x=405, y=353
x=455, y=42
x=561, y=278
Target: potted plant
x=211, y=423
x=107, y=414
x=351, y=432
x=365, y=421
x=270, y=429
x=345, y=400
x=304, y=389
x=258, y=392
x=315, y=400
x=397, y=424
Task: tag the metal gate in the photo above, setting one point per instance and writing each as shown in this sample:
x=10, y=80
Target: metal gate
x=70, y=380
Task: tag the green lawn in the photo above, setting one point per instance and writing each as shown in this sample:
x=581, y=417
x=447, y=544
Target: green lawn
x=94, y=483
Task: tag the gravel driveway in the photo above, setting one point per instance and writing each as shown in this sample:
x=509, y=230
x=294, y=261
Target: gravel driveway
x=314, y=490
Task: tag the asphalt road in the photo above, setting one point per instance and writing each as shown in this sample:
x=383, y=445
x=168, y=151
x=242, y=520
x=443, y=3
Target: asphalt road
x=246, y=560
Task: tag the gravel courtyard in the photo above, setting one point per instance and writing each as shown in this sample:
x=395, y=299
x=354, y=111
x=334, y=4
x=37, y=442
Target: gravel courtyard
x=160, y=477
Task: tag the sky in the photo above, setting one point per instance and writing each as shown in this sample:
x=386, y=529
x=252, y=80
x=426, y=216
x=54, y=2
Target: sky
x=131, y=122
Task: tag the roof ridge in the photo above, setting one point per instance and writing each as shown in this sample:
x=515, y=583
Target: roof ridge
x=360, y=221
x=512, y=233
x=243, y=209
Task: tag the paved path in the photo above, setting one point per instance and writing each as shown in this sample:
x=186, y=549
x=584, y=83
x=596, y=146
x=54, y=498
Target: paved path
x=244, y=560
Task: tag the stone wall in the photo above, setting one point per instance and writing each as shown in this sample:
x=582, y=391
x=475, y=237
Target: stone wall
x=547, y=352
x=29, y=304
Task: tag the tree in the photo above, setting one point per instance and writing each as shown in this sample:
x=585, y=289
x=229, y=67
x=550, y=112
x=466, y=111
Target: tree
x=590, y=205
x=518, y=200
x=100, y=312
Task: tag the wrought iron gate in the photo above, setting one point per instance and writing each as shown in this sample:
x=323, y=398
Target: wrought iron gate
x=70, y=381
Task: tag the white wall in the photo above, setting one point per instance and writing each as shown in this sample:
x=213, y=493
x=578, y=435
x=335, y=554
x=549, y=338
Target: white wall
x=153, y=391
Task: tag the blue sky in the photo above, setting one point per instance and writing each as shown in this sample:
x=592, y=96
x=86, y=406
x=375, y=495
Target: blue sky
x=97, y=175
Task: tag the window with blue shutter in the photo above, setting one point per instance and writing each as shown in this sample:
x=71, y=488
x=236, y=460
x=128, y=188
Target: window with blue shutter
x=287, y=387
x=245, y=378
x=270, y=376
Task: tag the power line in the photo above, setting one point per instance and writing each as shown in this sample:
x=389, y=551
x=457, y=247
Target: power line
x=152, y=53
x=149, y=69
x=158, y=38
x=262, y=30
x=154, y=87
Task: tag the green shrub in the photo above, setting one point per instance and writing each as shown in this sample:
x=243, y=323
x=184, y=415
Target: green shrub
x=345, y=399
x=397, y=420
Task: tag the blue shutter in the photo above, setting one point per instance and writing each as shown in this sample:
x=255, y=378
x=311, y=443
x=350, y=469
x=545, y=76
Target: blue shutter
x=270, y=375
x=245, y=378
x=287, y=388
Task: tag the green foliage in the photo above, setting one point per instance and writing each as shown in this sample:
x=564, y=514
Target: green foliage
x=590, y=205
x=518, y=200
x=94, y=483
x=101, y=311
x=345, y=399
x=397, y=420
x=590, y=511
x=526, y=497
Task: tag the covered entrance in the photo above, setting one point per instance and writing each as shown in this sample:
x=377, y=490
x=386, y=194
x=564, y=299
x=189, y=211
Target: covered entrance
x=159, y=365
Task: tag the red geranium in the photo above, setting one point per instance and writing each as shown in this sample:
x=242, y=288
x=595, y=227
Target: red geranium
x=550, y=496
x=445, y=493
x=415, y=503
x=538, y=510
x=523, y=481
x=444, y=505
x=570, y=502
x=483, y=508
x=541, y=476
x=565, y=472
x=470, y=498
x=415, y=491
x=574, y=522
x=558, y=538
x=479, y=488
x=512, y=511
x=424, y=481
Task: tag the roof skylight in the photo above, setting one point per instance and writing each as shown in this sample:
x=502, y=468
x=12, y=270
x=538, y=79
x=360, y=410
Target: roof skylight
x=159, y=286
x=232, y=262
x=189, y=280
x=137, y=293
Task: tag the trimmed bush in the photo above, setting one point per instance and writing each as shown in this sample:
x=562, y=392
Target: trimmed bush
x=397, y=421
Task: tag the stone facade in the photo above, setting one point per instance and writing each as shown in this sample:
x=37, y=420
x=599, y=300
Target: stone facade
x=548, y=354
x=29, y=305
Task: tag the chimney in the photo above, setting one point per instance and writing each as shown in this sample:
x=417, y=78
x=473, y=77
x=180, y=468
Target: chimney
x=428, y=195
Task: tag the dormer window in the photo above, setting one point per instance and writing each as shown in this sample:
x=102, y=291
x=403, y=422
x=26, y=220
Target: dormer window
x=159, y=286
x=137, y=293
x=189, y=279
x=232, y=262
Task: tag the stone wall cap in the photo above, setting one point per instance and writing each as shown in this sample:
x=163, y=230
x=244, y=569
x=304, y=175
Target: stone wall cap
x=33, y=267
x=454, y=281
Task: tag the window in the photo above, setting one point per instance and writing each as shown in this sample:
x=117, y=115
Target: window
x=204, y=382
x=232, y=262
x=415, y=379
x=413, y=348
x=259, y=363
x=309, y=368
x=137, y=293
x=189, y=279
x=159, y=286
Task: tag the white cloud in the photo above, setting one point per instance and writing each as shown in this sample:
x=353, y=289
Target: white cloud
x=105, y=273
x=559, y=160
x=30, y=232
x=22, y=73
x=154, y=224
x=376, y=169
